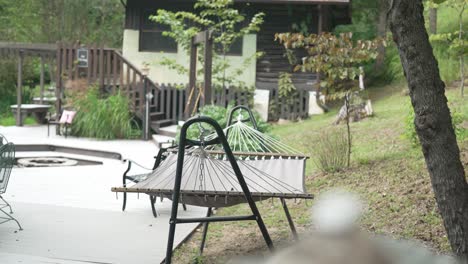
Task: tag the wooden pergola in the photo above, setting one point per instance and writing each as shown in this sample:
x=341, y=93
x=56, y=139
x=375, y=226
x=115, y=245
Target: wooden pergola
x=21, y=50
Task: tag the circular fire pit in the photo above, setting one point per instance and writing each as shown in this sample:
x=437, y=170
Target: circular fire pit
x=46, y=162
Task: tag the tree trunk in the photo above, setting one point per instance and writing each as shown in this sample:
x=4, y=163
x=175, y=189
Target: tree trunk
x=381, y=32
x=348, y=129
x=433, y=20
x=432, y=120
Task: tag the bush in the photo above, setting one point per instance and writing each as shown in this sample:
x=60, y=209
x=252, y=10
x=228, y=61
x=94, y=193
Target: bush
x=410, y=130
x=219, y=114
x=103, y=118
x=10, y=120
x=330, y=150
x=8, y=83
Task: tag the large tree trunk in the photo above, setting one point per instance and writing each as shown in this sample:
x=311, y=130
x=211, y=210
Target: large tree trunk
x=432, y=120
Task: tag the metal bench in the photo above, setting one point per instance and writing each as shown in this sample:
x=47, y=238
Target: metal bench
x=136, y=178
x=7, y=160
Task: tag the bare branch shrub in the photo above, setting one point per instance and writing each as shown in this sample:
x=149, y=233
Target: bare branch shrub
x=329, y=149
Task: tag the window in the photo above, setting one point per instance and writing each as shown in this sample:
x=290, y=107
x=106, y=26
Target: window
x=151, y=37
x=235, y=49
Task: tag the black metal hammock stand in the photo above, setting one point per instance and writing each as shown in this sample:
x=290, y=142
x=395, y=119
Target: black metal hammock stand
x=208, y=172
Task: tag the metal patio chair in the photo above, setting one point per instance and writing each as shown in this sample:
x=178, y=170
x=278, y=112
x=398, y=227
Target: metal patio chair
x=66, y=119
x=136, y=178
x=3, y=140
x=7, y=160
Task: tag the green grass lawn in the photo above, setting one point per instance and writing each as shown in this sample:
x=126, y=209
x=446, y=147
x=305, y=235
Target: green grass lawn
x=386, y=171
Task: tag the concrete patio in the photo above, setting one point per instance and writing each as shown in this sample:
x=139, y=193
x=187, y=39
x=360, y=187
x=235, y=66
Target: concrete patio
x=69, y=214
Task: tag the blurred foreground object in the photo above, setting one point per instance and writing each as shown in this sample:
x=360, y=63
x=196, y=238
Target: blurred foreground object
x=337, y=239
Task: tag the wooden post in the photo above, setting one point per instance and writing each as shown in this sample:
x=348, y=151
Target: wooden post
x=59, y=80
x=41, y=82
x=192, y=80
x=207, y=89
x=320, y=19
x=101, y=69
x=19, y=89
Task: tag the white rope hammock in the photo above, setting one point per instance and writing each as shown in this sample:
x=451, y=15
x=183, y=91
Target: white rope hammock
x=245, y=139
x=269, y=167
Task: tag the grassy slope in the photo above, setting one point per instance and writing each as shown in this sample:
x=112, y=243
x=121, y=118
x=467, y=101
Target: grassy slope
x=388, y=173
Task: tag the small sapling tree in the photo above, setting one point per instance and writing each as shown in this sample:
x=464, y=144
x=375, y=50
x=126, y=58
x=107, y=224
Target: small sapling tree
x=336, y=59
x=227, y=25
x=457, y=41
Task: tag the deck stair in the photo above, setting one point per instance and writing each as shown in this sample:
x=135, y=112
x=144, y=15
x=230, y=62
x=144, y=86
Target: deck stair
x=112, y=72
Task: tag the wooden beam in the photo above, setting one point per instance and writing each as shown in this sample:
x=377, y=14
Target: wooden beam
x=101, y=69
x=19, y=89
x=208, y=55
x=41, y=81
x=320, y=19
x=192, y=80
x=59, y=80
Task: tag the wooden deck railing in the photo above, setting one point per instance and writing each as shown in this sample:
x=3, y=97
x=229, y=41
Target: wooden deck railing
x=107, y=69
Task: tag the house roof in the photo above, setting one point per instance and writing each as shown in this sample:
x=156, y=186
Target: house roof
x=296, y=1
x=299, y=2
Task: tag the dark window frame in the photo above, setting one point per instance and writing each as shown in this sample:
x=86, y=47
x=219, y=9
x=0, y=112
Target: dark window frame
x=231, y=52
x=157, y=28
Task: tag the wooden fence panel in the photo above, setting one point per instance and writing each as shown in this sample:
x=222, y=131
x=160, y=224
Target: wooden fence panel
x=291, y=108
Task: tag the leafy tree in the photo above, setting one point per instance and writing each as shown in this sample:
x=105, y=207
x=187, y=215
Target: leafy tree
x=336, y=59
x=433, y=121
x=50, y=21
x=365, y=18
x=457, y=41
x=227, y=25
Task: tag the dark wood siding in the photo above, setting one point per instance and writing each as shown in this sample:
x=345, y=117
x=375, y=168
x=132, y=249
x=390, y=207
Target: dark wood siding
x=282, y=18
x=279, y=18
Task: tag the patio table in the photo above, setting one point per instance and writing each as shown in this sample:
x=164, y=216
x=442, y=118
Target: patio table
x=39, y=111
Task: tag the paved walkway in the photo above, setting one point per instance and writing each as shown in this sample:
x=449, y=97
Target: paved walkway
x=69, y=214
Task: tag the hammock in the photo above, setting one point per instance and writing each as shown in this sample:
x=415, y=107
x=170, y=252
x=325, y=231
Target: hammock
x=208, y=173
x=209, y=180
x=269, y=167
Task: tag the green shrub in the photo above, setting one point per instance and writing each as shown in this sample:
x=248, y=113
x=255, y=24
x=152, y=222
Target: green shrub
x=410, y=130
x=103, y=118
x=330, y=149
x=8, y=83
x=10, y=120
x=219, y=114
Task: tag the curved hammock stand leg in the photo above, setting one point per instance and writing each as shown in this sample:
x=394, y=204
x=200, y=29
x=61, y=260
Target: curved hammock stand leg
x=174, y=220
x=153, y=209
x=9, y=217
x=124, y=180
x=6, y=204
x=290, y=221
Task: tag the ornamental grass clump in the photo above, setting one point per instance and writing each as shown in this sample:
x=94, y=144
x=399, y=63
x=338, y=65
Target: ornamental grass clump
x=330, y=150
x=103, y=118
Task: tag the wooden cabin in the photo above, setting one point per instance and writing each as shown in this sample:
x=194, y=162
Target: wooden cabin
x=143, y=41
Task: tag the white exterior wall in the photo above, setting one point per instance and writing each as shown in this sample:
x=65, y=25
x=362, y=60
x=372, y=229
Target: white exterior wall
x=161, y=74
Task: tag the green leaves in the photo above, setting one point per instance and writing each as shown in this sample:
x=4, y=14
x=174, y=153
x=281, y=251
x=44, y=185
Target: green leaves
x=286, y=88
x=336, y=58
x=227, y=25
